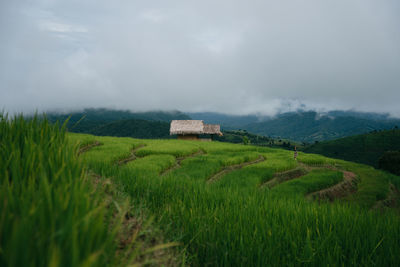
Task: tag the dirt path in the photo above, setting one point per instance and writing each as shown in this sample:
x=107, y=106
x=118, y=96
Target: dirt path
x=346, y=187
x=138, y=242
x=88, y=147
x=179, y=160
x=281, y=177
x=131, y=157
x=392, y=199
x=231, y=168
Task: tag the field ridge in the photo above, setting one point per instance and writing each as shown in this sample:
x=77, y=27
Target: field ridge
x=284, y=176
x=87, y=147
x=131, y=157
x=346, y=187
x=232, y=168
x=179, y=160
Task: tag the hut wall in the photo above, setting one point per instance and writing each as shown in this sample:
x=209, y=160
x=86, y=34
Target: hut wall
x=188, y=137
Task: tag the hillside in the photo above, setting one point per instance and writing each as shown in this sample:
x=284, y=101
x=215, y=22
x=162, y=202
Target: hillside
x=239, y=137
x=365, y=148
x=104, y=122
x=235, y=205
x=247, y=138
x=301, y=126
x=227, y=122
x=133, y=128
x=304, y=126
x=73, y=199
x=311, y=127
x=154, y=124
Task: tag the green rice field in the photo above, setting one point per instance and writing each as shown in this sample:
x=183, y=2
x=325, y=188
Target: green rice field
x=236, y=220
x=218, y=204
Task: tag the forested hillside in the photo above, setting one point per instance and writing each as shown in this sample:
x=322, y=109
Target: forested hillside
x=133, y=128
x=302, y=126
x=154, y=124
x=227, y=122
x=311, y=127
x=365, y=148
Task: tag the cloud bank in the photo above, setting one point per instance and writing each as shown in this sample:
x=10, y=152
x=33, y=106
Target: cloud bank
x=227, y=56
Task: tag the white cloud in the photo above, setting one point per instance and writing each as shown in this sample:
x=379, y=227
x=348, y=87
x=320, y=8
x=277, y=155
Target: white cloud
x=56, y=27
x=219, y=41
x=155, y=16
x=226, y=56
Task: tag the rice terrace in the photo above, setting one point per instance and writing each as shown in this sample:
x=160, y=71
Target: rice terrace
x=70, y=199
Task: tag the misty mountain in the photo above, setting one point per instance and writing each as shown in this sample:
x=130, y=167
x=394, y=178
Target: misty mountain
x=226, y=121
x=311, y=126
x=304, y=126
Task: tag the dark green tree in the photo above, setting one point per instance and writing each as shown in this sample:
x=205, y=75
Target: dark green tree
x=390, y=161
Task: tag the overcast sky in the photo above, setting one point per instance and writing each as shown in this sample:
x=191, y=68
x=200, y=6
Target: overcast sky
x=210, y=55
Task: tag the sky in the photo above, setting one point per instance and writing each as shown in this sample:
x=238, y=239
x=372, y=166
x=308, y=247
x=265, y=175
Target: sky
x=227, y=56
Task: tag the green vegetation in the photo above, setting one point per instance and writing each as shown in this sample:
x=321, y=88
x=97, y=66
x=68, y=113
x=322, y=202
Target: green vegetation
x=208, y=197
x=133, y=128
x=298, y=126
x=390, y=161
x=310, y=126
x=245, y=137
x=107, y=122
x=49, y=213
x=53, y=212
x=365, y=148
x=234, y=220
x=238, y=137
x=311, y=182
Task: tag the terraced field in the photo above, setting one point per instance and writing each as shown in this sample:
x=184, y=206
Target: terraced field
x=244, y=205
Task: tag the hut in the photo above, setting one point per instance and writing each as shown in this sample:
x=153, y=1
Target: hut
x=194, y=130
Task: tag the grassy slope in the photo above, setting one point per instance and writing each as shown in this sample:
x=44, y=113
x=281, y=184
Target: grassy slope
x=53, y=212
x=106, y=121
x=365, y=148
x=234, y=221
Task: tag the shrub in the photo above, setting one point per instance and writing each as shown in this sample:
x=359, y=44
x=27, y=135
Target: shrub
x=390, y=161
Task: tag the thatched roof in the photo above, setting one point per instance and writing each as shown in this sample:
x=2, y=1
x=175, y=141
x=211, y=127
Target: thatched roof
x=186, y=127
x=212, y=129
x=193, y=127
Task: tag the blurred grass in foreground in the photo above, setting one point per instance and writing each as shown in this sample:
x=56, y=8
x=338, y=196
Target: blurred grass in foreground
x=50, y=213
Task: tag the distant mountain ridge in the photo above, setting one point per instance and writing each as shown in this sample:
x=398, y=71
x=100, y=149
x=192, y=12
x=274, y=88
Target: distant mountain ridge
x=300, y=126
x=228, y=122
x=304, y=126
x=122, y=123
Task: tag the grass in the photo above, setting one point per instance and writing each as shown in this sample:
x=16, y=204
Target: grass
x=233, y=221
x=150, y=166
x=313, y=181
x=50, y=215
x=54, y=212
